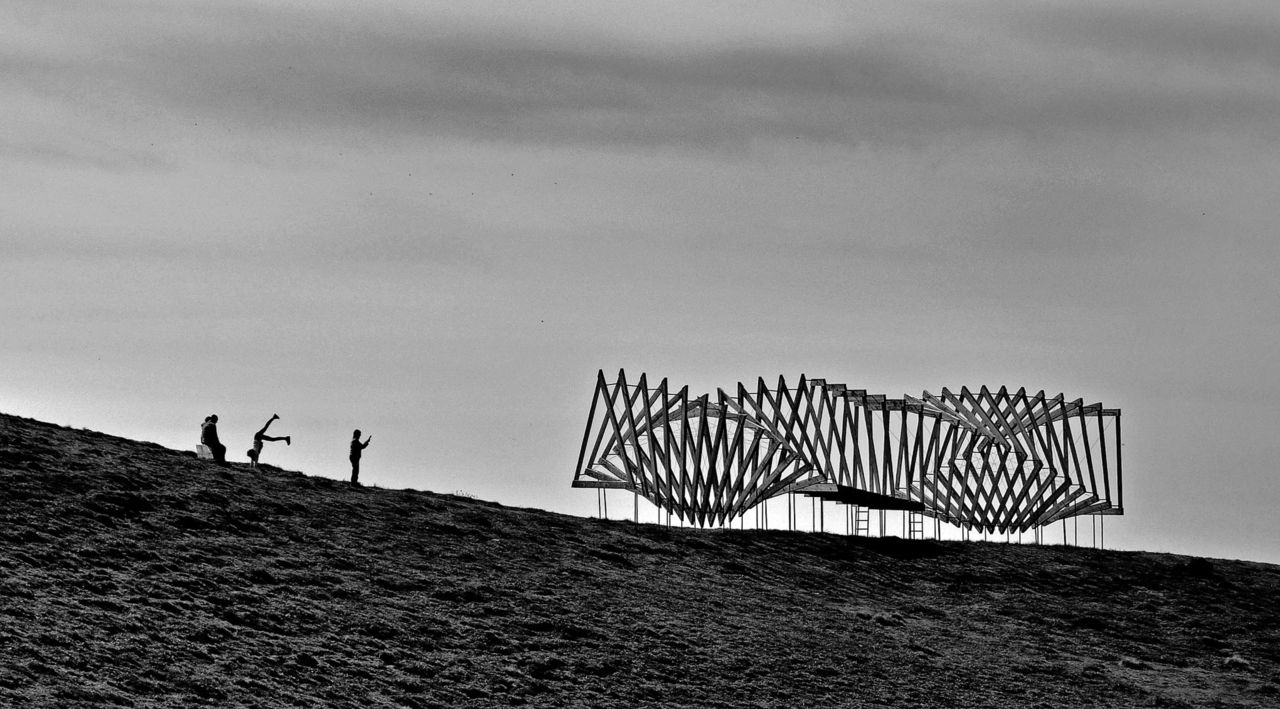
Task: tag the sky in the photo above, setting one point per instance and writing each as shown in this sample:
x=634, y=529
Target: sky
x=436, y=222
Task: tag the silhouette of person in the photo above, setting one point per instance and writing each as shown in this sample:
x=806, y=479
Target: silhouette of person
x=261, y=436
x=356, y=448
x=209, y=437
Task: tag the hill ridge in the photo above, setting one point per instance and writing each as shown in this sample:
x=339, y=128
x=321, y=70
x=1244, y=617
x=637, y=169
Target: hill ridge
x=135, y=575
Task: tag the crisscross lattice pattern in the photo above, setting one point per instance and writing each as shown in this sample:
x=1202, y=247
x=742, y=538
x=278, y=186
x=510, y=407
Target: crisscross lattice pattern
x=989, y=460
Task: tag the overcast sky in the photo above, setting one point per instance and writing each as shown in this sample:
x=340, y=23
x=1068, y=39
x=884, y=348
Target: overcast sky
x=436, y=222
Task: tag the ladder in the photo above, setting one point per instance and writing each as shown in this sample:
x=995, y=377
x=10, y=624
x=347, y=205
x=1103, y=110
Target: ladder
x=861, y=521
x=915, y=525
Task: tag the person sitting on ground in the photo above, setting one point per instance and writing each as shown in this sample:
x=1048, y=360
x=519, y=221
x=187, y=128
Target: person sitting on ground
x=356, y=448
x=261, y=436
x=209, y=437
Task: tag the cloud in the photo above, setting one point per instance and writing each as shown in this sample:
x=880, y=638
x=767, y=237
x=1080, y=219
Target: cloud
x=103, y=245
x=79, y=153
x=1227, y=36
x=535, y=91
x=1042, y=71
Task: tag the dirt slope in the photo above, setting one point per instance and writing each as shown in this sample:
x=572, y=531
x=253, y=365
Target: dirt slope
x=135, y=575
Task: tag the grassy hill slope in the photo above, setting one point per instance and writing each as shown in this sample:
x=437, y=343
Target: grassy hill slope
x=136, y=575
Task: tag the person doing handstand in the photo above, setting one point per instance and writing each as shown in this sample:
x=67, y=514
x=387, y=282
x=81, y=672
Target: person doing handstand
x=356, y=448
x=261, y=436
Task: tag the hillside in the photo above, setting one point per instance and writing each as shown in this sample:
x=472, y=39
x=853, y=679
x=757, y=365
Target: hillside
x=136, y=575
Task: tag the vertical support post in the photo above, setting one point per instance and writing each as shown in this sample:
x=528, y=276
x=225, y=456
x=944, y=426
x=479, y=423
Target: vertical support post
x=1119, y=473
x=637, y=504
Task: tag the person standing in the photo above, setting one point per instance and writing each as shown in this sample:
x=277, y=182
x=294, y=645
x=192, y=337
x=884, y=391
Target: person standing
x=261, y=436
x=209, y=437
x=356, y=449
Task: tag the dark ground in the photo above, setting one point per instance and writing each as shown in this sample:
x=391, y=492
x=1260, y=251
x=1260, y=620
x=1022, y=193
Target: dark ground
x=136, y=575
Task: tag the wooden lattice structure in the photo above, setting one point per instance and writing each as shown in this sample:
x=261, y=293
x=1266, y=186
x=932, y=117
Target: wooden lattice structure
x=996, y=461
